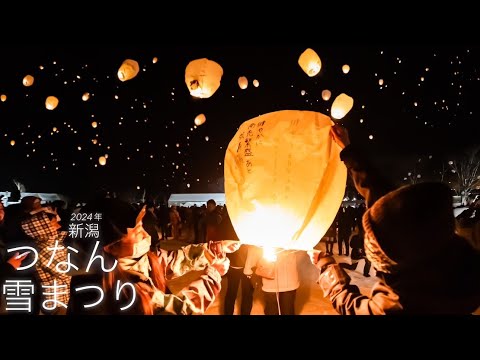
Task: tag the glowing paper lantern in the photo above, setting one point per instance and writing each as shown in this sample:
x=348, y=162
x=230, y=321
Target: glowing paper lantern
x=256, y=83
x=326, y=95
x=28, y=80
x=94, y=124
x=203, y=78
x=155, y=60
x=303, y=92
x=128, y=70
x=342, y=106
x=102, y=160
x=275, y=197
x=51, y=103
x=12, y=142
x=310, y=62
x=380, y=82
x=3, y=97
x=86, y=96
x=346, y=69
x=243, y=82
x=200, y=120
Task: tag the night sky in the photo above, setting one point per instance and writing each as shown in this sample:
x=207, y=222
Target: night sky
x=424, y=111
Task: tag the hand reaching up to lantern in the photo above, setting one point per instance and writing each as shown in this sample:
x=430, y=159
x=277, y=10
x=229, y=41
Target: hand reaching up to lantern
x=340, y=135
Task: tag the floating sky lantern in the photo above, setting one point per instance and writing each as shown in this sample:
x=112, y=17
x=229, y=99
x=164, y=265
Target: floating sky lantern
x=303, y=92
x=346, y=69
x=155, y=60
x=86, y=96
x=203, y=78
x=326, y=95
x=51, y=103
x=275, y=198
x=256, y=83
x=243, y=82
x=102, y=160
x=12, y=143
x=3, y=97
x=342, y=106
x=28, y=80
x=128, y=70
x=310, y=62
x=200, y=120
x=94, y=124
x=381, y=82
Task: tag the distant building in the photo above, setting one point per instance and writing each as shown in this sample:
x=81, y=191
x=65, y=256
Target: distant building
x=190, y=200
x=46, y=198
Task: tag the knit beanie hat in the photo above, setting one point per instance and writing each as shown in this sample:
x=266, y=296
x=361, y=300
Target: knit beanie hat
x=409, y=226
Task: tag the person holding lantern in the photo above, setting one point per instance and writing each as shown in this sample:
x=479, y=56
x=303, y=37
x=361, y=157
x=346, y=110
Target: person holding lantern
x=422, y=265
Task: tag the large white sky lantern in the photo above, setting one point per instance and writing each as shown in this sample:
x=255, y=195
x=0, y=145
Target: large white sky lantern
x=28, y=80
x=342, y=106
x=310, y=62
x=203, y=78
x=128, y=70
x=243, y=82
x=284, y=180
x=51, y=103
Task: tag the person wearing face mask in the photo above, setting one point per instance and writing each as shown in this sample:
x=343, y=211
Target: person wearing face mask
x=42, y=226
x=149, y=273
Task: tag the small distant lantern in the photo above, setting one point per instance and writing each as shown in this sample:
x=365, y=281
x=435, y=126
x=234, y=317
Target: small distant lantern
x=86, y=96
x=200, y=120
x=102, y=160
x=3, y=98
x=203, y=78
x=51, y=103
x=243, y=82
x=346, y=69
x=256, y=83
x=128, y=70
x=310, y=62
x=342, y=106
x=28, y=80
x=326, y=95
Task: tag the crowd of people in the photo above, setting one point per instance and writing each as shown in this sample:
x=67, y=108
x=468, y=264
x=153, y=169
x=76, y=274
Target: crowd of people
x=425, y=261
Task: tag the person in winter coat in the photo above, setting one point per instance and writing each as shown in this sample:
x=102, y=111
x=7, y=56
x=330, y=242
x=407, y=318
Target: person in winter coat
x=424, y=267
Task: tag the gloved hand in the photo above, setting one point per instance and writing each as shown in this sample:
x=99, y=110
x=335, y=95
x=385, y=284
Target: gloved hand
x=321, y=260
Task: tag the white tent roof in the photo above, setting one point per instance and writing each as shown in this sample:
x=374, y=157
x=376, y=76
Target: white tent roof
x=189, y=200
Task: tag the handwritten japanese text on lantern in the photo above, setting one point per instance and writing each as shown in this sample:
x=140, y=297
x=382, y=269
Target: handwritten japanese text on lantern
x=284, y=180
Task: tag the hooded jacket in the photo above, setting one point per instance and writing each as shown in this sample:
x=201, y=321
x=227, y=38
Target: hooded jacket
x=423, y=266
